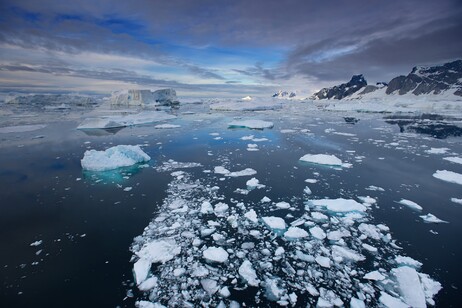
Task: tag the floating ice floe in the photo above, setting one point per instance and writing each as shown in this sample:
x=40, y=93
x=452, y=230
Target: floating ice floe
x=276, y=223
x=21, y=128
x=339, y=205
x=324, y=159
x=254, y=183
x=454, y=159
x=252, y=124
x=448, y=176
x=295, y=233
x=437, y=151
x=125, y=120
x=430, y=218
x=113, y=158
x=215, y=254
x=247, y=272
x=456, y=200
x=410, y=204
x=166, y=126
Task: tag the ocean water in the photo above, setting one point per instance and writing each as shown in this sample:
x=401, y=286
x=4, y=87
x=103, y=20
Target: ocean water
x=86, y=222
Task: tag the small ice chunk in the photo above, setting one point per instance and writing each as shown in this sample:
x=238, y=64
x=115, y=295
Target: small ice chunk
x=224, y=292
x=311, y=181
x=248, y=273
x=402, y=260
x=307, y=190
x=274, y=222
x=36, y=243
x=209, y=285
x=368, y=200
x=148, y=284
x=283, y=205
x=141, y=270
x=272, y=290
x=337, y=235
x=254, y=183
x=370, y=231
x=375, y=275
x=391, y=302
x=251, y=215
x=215, y=254
x=410, y=204
x=409, y=286
x=177, y=272
x=374, y=188
x=323, y=261
x=343, y=253
x=357, y=303
x=245, y=172
x=252, y=124
x=456, y=200
x=159, y=251
x=322, y=159
x=369, y=247
x=221, y=209
x=166, y=126
x=221, y=170
x=147, y=304
x=206, y=207
x=437, y=151
x=113, y=158
x=318, y=233
x=430, y=218
x=295, y=233
x=279, y=251
x=340, y=205
x=430, y=287
x=448, y=176
x=265, y=200
x=457, y=160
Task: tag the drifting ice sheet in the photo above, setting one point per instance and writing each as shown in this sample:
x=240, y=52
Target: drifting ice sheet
x=113, y=158
x=448, y=176
x=410, y=204
x=340, y=205
x=159, y=251
x=215, y=254
x=322, y=159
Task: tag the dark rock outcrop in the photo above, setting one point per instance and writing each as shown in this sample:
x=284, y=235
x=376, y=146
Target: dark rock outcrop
x=429, y=80
x=356, y=83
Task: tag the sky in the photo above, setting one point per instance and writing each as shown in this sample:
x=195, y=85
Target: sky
x=219, y=48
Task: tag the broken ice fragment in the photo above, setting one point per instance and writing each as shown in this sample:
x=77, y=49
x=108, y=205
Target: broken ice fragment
x=340, y=205
x=215, y=254
x=318, y=233
x=410, y=204
x=159, y=251
x=322, y=159
x=275, y=223
x=248, y=273
x=113, y=158
x=409, y=286
x=295, y=233
x=448, y=176
x=252, y=124
x=430, y=218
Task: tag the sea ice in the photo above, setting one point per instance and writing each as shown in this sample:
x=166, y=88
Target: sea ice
x=375, y=275
x=295, y=233
x=356, y=303
x=125, y=120
x=252, y=124
x=437, y=151
x=113, y=158
x=318, y=233
x=245, y=172
x=141, y=270
x=391, y=302
x=403, y=260
x=252, y=216
x=340, y=205
x=342, y=253
x=409, y=286
x=323, y=261
x=457, y=160
x=160, y=250
x=430, y=218
x=254, y=183
x=215, y=254
x=248, y=273
x=275, y=222
x=448, y=176
x=322, y=159
x=456, y=200
x=166, y=126
x=283, y=205
x=21, y=128
x=209, y=285
x=410, y=204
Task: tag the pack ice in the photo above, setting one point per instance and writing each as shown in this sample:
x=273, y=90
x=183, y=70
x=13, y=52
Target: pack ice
x=113, y=158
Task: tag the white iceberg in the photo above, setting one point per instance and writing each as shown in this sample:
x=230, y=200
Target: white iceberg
x=455, y=159
x=252, y=124
x=144, y=97
x=448, y=176
x=113, y=158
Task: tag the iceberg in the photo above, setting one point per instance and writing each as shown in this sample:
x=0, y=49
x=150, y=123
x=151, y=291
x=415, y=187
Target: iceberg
x=113, y=158
x=163, y=97
x=430, y=218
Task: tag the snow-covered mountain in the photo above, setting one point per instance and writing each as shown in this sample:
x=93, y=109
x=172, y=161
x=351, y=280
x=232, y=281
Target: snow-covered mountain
x=444, y=80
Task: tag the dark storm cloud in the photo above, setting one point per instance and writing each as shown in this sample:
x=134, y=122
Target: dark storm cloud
x=321, y=40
